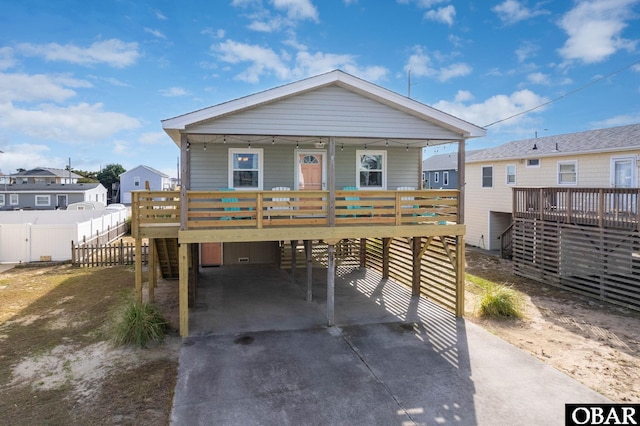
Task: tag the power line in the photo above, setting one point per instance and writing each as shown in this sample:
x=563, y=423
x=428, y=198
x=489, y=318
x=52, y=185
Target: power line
x=591, y=83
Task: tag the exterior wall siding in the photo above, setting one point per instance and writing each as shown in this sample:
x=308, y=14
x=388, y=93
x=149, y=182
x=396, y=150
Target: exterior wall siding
x=328, y=111
x=210, y=168
x=593, y=170
x=127, y=181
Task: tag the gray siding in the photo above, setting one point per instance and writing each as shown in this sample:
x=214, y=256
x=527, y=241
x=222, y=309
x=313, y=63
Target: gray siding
x=28, y=200
x=127, y=180
x=328, y=111
x=432, y=184
x=209, y=169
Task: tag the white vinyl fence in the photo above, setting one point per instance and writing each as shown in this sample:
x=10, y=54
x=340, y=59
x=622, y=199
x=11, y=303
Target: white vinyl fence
x=32, y=236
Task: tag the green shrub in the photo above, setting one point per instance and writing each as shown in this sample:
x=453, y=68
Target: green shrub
x=499, y=301
x=139, y=324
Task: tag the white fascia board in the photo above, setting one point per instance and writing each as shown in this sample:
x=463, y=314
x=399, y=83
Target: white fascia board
x=173, y=126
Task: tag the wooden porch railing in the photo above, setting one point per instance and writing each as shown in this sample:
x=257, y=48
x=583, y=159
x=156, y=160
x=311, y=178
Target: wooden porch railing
x=603, y=207
x=263, y=209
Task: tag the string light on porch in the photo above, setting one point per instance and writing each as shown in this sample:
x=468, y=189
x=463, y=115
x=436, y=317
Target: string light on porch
x=188, y=145
x=297, y=145
x=386, y=143
x=342, y=147
x=205, y=145
x=224, y=139
x=273, y=140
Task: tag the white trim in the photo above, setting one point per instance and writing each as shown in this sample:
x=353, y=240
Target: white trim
x=515, y=173
x=436, y=177
x=482, y=176
x=383, y=153
x=260, y=153
x=634, y=169
x=534, y=166
x=12, y=202
x=575, y=171
x=445, y=178
x=66, y=199
x=174, y=125
x=37, y=204
x=2, y=199
x=296, y=169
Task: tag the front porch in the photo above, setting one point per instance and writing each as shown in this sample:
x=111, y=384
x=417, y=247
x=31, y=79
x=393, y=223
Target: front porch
x=413, y=234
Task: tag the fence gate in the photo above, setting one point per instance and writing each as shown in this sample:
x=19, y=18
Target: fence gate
x=14, y=243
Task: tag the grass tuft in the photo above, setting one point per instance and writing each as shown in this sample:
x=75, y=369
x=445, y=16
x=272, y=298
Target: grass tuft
x=140, y=324
x=499, y=301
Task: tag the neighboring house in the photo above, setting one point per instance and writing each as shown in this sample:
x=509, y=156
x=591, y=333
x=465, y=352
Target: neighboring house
x=31, y=196
x=45, y=175
x=326, y=160
x=135, y=179
x=565, y=206
x=604, y=158
x=441, y=171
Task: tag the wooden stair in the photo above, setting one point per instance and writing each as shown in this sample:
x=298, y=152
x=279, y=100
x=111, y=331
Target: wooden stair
x=167, y=249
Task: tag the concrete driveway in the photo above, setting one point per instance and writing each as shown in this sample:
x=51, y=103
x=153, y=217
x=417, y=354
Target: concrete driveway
x=261, y=355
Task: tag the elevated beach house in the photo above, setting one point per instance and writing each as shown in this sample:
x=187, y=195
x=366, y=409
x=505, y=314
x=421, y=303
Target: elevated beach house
x=330, y=161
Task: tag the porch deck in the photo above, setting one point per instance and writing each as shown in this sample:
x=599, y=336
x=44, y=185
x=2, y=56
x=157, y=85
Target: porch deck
x=601, y=207
x=224, y=216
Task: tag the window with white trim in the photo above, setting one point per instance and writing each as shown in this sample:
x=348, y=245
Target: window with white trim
x=1, y=199
x=511, y=174
x=567, y=172
x=13, y=199
x=246, y=168
x=445, y=178
x=487, y=176
x=533, y=162
x=436, y=177
x=43, y=200
x=371, y=169
x=136, y=181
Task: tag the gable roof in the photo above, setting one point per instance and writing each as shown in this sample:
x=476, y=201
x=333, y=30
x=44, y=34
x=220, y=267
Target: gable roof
x=447, y=161
x=622, y=138
x=47, y=171
x=151, y=169
x=337, y=78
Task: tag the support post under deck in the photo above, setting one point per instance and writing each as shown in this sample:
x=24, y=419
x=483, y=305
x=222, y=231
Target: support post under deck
x=331, y=277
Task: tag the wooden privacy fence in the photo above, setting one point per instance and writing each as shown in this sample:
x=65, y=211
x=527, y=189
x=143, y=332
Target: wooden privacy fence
x=94, y=255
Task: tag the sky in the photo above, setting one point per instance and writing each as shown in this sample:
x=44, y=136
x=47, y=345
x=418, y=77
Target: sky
x=89, y=82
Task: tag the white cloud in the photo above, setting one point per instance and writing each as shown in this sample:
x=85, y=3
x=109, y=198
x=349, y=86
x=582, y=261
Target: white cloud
x=26, y=155
x=82, y=123
x=154, y=138
x=618, y=120
x=6, y=58
x=38, y=87
x=526, y=50
x=539, y=78
x=463, y=96
x=155, y=33
x=421, y=65
x=113, y=52
x=160, y=15
x=443, y=14
x=121, y=147
x=317, y=63
x=297, y=9
x=594, y=28
x=513, y=11
x=262, y=60
x=495, y=108
x=172, y=92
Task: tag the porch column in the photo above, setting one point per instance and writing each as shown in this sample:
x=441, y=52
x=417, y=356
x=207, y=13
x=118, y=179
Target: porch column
x=386, y=242
x=331, y=181
x=294, y=244
x=138, y=273
x=185, y=152
x=308, y=248
x=152, y=268
x=183, y=292
x=331, y=277
x=417, y=263
x=363, y=252
x=461, y=179
x=459, y=276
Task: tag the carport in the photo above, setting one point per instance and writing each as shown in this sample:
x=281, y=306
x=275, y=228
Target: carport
x=260, y=354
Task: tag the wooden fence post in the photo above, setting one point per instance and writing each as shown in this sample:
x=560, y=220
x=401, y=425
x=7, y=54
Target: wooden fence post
x=73, y=254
